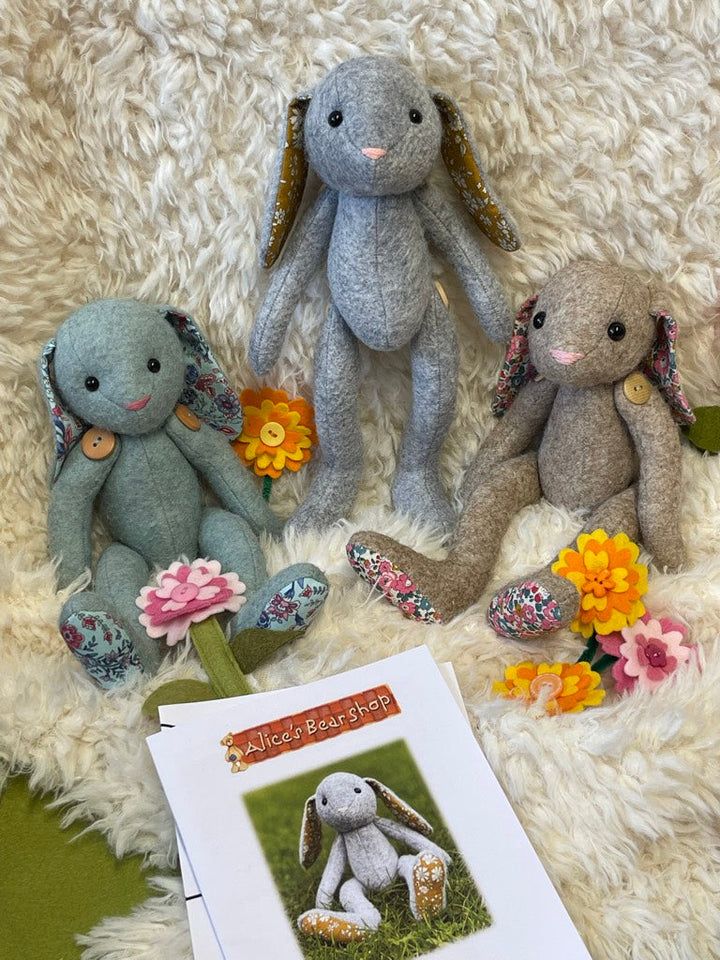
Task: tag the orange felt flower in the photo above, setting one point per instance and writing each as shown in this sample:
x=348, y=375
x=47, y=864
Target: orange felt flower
x=278, y=432
x=559, y=687
x=610, y=581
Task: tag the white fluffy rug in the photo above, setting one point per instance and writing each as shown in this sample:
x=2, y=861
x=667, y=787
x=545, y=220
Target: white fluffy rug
x=135, y=140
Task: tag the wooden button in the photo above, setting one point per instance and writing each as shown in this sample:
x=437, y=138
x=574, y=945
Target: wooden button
x=98, y=444
x=637, y=388
x=441, y=290
x=187, y=417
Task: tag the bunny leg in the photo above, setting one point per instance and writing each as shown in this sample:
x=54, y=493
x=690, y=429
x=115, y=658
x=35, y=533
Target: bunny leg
x=437, y=590
x=353, y=923
x=418, y=490
x=278, y=608
x=101, y=626
x=426, y=876
x=544, y=602
x=337, y=377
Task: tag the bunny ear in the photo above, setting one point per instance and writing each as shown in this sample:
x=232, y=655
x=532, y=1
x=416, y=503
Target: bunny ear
x=310, y=835
x=67, y=428
x=287, y=184
x=661, y=368
x=469, y=178
x=207, y=389
x=516, y=370
x=403, y=811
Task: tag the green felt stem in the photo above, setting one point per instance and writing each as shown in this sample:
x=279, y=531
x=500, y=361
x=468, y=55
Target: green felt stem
x=267, y=487
x=589, y=651
x=607, y=660
x=217, y=658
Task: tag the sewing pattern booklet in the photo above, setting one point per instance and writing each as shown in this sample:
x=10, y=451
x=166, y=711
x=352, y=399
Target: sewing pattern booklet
x=373, y=779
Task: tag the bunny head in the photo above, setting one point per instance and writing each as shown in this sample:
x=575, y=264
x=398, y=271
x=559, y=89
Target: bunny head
x=123, y=365
x=371, y=128
x=347, y=802
x=592, y=324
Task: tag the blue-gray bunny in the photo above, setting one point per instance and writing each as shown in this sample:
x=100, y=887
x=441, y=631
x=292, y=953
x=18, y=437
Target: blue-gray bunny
x=362, y=847
x=134, y=393
x=372, y=132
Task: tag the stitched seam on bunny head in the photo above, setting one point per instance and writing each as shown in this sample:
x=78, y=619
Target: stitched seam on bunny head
x=207, y=391
x=403, y=811
x=310, y=834
x=517, y=370
x=661, y=368
x=67, y=428
x=469, y=178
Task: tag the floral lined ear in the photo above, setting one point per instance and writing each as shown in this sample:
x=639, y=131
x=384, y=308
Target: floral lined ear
x=67, y=428
x=403, y=811
x=661, y=368
x=516, y=370
x=310, y=834
x=207, y=389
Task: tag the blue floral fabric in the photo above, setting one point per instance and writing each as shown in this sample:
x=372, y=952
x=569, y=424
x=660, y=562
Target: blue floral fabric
x=67, y=428
x=295, y=606
x=103, y=647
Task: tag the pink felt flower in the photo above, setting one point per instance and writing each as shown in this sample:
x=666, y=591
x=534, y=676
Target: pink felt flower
x=188, y=593
x=648, y=651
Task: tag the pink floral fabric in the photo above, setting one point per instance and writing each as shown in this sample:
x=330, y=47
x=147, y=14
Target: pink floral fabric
x=187, y=593
x=661, y=368
x=516, y=370
x=648, y=652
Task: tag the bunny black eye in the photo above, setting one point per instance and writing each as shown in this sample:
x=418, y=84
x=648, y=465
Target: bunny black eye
x=324, y=801
x=335, y=118
x=539, y=319
x=415, y=116
x=358, y=790
x=153, y=365
x=616, y=330
x=91, y=383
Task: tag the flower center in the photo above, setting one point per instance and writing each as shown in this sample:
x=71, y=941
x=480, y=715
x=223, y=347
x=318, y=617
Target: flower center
x=546, y=684
x=272, y=433
x=656, y=655
x=599, y=582
x=184, y=592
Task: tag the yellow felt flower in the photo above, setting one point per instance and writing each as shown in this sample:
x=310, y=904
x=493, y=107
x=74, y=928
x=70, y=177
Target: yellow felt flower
x=278, y=433
x=610, y=580
x=559, y=687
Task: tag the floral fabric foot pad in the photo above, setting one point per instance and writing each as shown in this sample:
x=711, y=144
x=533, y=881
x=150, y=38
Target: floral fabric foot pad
x=331, y=926
x=429, y=874
x=397, y=586
x=523, y=611
x=103, y=647
x=294, y=606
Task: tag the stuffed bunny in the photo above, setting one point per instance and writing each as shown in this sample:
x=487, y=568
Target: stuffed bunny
x=134, y=393
x=591, y=372
x=348, y=804
x=372, y=133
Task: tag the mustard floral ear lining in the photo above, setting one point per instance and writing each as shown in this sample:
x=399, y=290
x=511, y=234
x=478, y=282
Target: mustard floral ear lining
x=291, y=181
x=469, y=180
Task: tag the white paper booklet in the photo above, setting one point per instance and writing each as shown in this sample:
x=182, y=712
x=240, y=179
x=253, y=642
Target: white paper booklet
x=409, y=846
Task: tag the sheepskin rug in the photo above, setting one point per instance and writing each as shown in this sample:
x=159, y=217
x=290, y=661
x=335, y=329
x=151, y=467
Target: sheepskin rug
x=135, y=142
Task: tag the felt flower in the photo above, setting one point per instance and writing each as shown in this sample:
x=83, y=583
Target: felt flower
x=278, y=432
x=648, y=652
x=610, y=580
x=558, y=687
x=187, y=593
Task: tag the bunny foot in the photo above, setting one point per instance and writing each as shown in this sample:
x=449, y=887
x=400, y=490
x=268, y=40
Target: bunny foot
x=333, y=926
x=428, y=886
x=369, y=554
x=101, y=643
x=530, y=608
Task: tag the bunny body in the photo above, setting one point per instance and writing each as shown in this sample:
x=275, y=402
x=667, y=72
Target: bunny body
x=114, y=378
x=372, y=133
x=588, y=393
x=348, y=804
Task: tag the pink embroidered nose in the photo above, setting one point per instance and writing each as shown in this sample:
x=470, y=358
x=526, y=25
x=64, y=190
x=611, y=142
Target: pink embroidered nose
x=566, y=356
x=184, y=592
x=374, y=153
x=138, y=404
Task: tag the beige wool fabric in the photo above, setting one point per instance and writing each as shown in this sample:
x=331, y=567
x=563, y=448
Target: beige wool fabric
x=136, y=139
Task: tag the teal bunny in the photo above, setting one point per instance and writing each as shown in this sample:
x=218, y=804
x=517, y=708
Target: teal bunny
x=140, y=411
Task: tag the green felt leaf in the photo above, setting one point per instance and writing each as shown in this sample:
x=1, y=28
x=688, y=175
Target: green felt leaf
x=255, y=645
x=705, y=432
x=217, y=658
x=177, y=691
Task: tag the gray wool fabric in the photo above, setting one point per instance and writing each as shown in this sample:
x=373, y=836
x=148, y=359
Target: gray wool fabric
x=148, y=490
x=348, y=804
x=599, y=451
x=373, y=222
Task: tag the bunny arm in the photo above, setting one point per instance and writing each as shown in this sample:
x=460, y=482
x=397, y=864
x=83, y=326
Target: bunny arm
x=332, y=874
x=211, y=454
x=657, y=441
x=456, y=237
x=303, y=254
x=513, y=433
x=415, y=841
x=70, y=511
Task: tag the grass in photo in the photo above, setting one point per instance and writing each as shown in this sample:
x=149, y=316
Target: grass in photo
x=277, y=816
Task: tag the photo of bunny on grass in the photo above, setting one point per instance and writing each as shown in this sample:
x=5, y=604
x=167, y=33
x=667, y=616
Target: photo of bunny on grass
x=377, y=872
